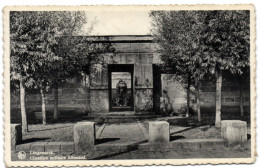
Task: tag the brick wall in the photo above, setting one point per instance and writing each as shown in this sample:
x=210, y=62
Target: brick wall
x=72, y=99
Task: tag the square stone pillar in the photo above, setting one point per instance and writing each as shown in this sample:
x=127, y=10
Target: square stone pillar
x=16, y=135
x=234, y=131
x=84, y=136
x=159, y=133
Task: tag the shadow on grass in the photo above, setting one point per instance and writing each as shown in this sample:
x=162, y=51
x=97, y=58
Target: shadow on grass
x=33, y=140
x=173, y=138
x=192, y=127
x=105, y=140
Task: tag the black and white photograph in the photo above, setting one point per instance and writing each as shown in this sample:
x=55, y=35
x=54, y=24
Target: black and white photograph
x=130, y=85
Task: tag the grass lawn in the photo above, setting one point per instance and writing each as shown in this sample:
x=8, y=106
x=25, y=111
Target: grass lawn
x=200, y=132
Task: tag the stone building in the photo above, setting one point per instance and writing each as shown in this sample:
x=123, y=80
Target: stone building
x=136, y=64
x=133, y=63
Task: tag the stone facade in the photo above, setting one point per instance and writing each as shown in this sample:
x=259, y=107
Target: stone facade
x=138, y=52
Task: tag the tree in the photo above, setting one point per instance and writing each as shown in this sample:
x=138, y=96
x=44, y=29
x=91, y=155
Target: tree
x=33, y=34
x=49, y=49
x=19, y=62
x=226, y=47
x=199, y=43
x=178, y=35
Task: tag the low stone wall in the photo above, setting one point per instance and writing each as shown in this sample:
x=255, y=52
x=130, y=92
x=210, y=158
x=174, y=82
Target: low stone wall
x=158, y=139
x=47, y=147
x=176, y=92
x=185, y=144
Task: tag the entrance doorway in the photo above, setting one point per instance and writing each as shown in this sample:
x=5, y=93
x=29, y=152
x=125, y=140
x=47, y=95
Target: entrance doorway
x=121, y=87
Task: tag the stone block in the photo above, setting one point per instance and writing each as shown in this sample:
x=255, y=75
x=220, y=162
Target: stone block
x=67, y=146
x=24, y=147
x=16, y=135
x=52, y=147
x=84, y=136
x=159, y=132
x=234, y=131
x=38, y=147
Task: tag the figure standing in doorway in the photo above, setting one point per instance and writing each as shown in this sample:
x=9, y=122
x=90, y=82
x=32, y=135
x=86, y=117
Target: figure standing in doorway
x=121, y=90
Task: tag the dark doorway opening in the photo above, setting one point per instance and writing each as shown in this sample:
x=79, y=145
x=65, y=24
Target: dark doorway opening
x=157, y=88
x=121, y=87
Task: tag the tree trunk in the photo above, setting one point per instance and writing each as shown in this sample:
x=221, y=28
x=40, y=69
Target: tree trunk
x=43, y=107
x=198, y=101
x=23, y=108
x=188, y=98
x=56, y=113
x=218, y=98
x=241, y=102
x=87, y=94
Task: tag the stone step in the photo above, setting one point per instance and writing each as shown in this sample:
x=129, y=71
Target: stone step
x=47, y=147
x=186, y=144
x=145, y=146
x=119, y=119
x=121, y=113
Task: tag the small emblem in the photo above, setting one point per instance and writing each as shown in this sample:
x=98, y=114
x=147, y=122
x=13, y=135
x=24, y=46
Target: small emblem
x=21, y=155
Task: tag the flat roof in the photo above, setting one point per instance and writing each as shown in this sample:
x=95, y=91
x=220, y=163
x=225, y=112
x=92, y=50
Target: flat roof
x=120, y=38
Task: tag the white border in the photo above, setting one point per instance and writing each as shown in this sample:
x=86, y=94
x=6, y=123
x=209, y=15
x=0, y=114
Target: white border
x=251, y=76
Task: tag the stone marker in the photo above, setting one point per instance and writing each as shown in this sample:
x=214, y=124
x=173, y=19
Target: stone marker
x=234, y=131
x=84, y=136
x=16, y=135
x=159, y=132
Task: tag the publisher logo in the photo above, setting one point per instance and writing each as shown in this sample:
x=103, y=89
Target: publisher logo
x=21, y=155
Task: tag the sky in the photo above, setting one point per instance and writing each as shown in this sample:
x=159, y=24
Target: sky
x=119, y=22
